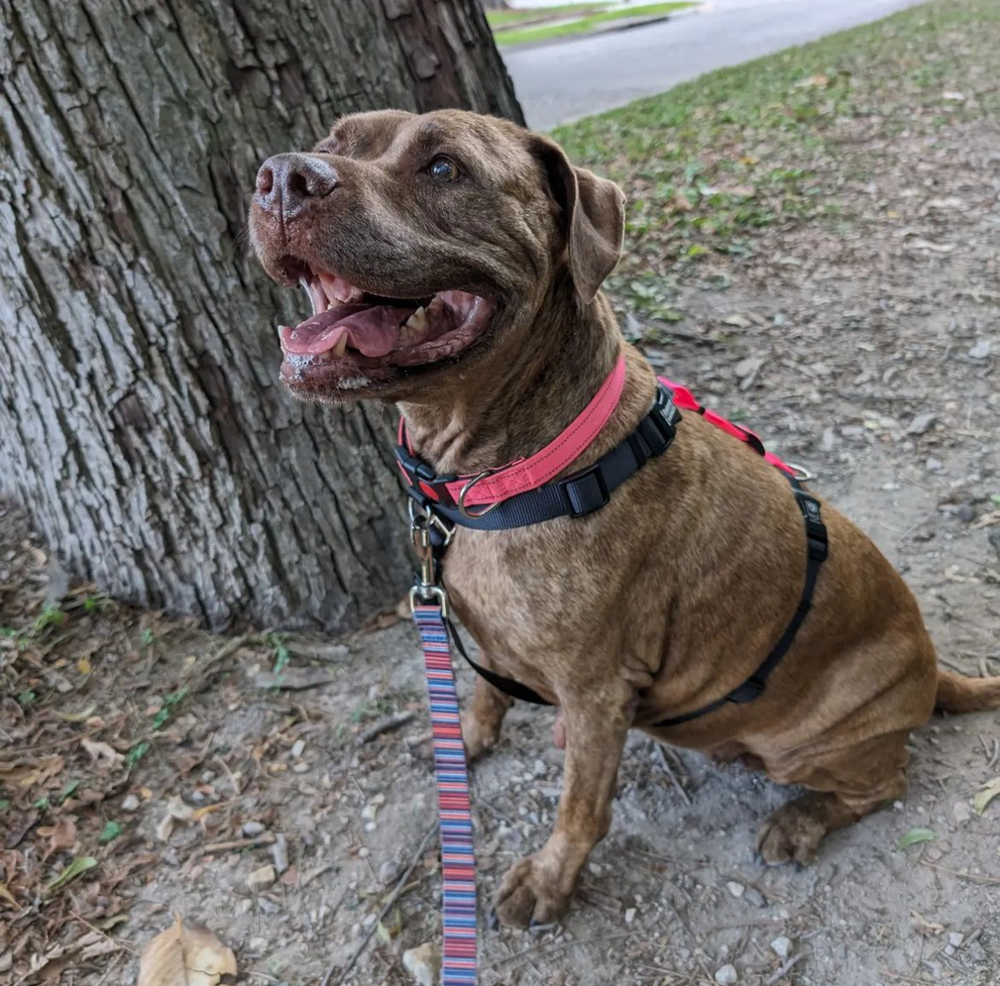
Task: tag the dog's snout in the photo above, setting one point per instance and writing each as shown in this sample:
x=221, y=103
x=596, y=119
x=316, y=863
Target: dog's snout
x=286, y=182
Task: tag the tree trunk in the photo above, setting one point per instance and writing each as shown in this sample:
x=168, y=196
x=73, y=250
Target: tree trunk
x=141, y=420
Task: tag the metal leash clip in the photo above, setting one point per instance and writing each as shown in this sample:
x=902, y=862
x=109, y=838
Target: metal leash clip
x=427, y=587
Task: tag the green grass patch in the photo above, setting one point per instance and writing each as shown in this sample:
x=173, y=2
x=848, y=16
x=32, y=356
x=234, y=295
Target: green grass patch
x=582, y=25
x=767, y=145
x=507, y=18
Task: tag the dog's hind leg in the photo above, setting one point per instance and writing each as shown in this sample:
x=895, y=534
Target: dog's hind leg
x=846, y=786
x=481, y=723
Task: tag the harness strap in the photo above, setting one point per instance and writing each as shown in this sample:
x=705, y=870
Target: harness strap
x=506, y=685
x=817, y=548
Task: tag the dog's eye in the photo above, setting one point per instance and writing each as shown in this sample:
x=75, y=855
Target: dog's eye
x=443, y=169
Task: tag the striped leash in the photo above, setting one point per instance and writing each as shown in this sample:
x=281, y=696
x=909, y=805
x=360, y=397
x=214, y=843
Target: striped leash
x=458, y=863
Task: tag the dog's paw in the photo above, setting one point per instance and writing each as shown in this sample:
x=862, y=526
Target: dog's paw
x=479, y=737
x=529, y=895
x=792, y=833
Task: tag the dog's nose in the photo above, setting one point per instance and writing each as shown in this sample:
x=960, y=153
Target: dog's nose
x=286, y=182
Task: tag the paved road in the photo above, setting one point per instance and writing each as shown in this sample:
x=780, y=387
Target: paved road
x=561, y=82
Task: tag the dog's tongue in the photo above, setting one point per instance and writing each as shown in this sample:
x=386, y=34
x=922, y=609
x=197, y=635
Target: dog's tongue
x=371, y=331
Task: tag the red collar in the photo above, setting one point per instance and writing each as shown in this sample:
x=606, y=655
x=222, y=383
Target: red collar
x=522, y=475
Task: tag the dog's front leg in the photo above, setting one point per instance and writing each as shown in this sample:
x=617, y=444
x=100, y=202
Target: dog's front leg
x=537, y=890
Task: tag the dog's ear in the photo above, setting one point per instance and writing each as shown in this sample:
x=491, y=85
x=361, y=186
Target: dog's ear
x=593, y=215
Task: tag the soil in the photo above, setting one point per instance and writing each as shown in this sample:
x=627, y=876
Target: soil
x=870, y=352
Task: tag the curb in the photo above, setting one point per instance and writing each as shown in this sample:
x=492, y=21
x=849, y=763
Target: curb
x=612, y=27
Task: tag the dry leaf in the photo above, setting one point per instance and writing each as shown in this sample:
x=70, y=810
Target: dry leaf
x=62, y=835
x=985, y=795
x=26, y=772
x=182, y=956
x=102, y=754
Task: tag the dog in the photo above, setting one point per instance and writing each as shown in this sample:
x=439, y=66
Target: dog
x=454, y=263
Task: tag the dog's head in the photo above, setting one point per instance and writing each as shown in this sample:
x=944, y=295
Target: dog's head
x=424, y=242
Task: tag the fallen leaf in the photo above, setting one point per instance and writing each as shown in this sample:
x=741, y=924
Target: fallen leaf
x=26, y=772
x=915, y=837
x=62, y=835
x=110, y=832
x=739, y=321
x=79, y=865
x=77, y=716
x=183, y=956
x=5, y=894
x=985, y=795
x=102, y=754
x=83, y=666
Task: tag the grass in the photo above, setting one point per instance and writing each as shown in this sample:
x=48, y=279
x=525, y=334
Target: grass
x=506, y=18
x=581, y=25
x=710, y=164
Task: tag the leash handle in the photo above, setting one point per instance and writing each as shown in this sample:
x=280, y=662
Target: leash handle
x=458, y=863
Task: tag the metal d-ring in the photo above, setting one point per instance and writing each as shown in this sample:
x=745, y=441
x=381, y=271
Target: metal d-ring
x=800, y=473
x=465, y=491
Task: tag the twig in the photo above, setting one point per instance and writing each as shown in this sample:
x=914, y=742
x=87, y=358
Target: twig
x=264, y=839
x=991, y=881
x=401, y=883
x=559, y=946
x=785, y=969
x=905, y=979
x=111, y=968
x=662, y=752
x=103, y=934
x=389, y=723
x=201, y=672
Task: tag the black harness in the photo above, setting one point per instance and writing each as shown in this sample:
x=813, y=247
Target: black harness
x=582, y=493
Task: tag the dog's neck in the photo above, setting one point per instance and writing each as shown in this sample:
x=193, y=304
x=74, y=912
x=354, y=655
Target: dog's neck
x=515, y=403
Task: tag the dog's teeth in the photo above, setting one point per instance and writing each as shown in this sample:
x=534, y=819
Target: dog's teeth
x=415, y=327
x=341, y=346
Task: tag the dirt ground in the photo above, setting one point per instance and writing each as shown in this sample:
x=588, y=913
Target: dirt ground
x=868, y=350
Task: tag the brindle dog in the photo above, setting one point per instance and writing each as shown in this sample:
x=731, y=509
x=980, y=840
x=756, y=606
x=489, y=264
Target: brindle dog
x=454, y=263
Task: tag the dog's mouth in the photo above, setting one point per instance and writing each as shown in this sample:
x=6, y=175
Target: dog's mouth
x=352, y=331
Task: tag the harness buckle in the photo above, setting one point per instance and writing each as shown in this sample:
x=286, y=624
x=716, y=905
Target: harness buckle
x=586, y=492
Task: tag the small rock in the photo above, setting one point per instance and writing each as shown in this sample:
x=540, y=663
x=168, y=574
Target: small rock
x=966, y=513
x=755, y=897
x=261, y=879
x=252, y=829
x=369, y=812
x=539, y=768
x=921, y=423
x=389, y=872
x=629, y=915
x=297, y=748
x=726, y=976
x=279, y=853
x=955, y=939
x=782, y=947
x=981, y=349
x=300, y=767
x=736, y=889
x=130, y=803
x=933, y=465
x=423, y=963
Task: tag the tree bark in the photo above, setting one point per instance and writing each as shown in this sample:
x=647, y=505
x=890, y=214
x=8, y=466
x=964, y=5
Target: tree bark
x=141, y=421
